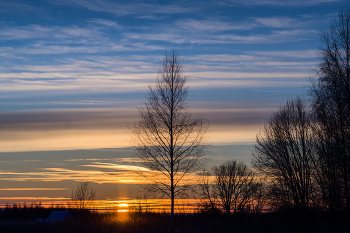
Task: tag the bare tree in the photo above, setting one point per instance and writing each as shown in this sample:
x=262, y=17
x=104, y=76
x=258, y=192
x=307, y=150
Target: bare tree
x=208, y=194
x=284, y=154
x=330, y=95
x=167, y=139
x=234, y=184
x=230, y=187
x=83, y=196
x=259, y=196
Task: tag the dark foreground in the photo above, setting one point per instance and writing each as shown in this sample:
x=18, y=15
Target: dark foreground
x=198, y=223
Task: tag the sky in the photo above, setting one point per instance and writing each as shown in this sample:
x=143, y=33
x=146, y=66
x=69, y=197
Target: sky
x=74, y=72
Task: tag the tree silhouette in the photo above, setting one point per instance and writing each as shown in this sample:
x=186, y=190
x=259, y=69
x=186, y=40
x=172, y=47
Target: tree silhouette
x=284, y=154
x=330, y=95
x=83, y=196
x=167, y=139
x=230, y=187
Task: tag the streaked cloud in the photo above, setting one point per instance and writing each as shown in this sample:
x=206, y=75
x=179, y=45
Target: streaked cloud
x=290, y=3
x=108, y=128
x=120, y=9
x=291, y=54
x=32, y=189
x=117, y=166
x=35, y=198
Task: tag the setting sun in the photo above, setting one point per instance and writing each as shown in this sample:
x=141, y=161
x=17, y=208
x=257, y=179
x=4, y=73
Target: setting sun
x=123, y=207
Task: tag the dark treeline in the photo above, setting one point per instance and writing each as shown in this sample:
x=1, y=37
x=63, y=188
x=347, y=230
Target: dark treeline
x=301, y=160
x=27, y=212
x=145, y=222
x=304, y=149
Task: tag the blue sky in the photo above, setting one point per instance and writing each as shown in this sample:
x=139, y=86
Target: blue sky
x=72, y=73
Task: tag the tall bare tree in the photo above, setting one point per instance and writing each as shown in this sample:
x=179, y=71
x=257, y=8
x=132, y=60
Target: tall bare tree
x=168, y=140
x=284, y=154
x=330, y=94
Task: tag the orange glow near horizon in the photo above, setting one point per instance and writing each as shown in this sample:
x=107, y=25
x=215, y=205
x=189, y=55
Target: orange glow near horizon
x=119, y=206
x=73, y=139
x=123, y=207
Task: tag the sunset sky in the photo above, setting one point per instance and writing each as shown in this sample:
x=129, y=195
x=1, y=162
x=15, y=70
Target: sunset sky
x=73, y=72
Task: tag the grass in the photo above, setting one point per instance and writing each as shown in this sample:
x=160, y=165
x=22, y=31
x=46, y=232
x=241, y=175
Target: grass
x=133, y=222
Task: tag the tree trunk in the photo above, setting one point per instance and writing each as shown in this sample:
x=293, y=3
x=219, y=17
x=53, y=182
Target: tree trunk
x=172, y=211
x=172, y=147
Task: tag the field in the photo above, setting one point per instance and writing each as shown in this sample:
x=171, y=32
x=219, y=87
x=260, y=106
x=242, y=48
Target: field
x=30, y=220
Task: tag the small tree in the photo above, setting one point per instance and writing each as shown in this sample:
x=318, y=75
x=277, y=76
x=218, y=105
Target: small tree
x=230, y=187
x=234, y=184
x=83, y=196
x=207, y=193
x=167, y=139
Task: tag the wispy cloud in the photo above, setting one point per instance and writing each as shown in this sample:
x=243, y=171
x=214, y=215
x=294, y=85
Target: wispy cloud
x=32, y=189
x=38, y=31
x=105, y=22
x=63, y=174
x=290, y=3
x=225, y=24
x=213, y=25
x=283, y=22
x=35, y=198
x=18, y=8
x=98, y=128
x=117, y=166
x=290, y=54
x=120, y=9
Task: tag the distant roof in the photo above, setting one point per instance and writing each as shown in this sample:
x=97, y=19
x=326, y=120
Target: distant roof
x=58, y=215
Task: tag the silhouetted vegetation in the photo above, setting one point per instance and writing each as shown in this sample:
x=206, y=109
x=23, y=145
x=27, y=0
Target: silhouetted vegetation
x=282, y=221
x=231, y=188
x=285, y=155
x=304, y=149
x=83, y=196
x=167, y=139
x=26, y=212
x=330, y=96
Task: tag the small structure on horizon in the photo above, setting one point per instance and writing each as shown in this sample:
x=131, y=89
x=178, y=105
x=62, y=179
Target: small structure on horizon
x=58, y=216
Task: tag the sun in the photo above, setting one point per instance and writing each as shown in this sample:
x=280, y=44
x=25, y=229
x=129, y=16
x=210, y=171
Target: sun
x=123, y=207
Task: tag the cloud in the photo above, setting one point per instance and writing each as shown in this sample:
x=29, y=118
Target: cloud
x=32, y=189
x=119, y=9
x=63, y=174
x=105, y=22
x=117, y=166
x=290, y=3
x=55, y=32
x=102, y=128
x=18, y=8
x=133, y=73
x=226, y=24
x=289, y=54
x=213, y=25
x=276, y=36
x=282, y=22
x=35, y=198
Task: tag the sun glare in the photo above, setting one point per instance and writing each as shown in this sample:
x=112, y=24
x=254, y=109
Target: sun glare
x=123, y=207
